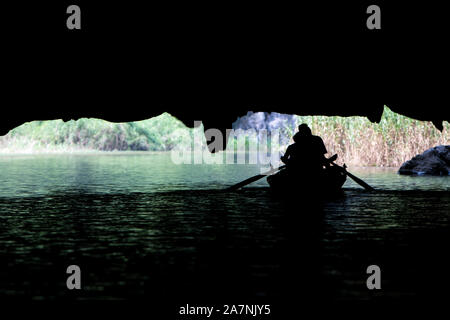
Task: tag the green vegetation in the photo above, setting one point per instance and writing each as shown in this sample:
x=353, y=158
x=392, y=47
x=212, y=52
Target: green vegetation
x=391, y=142
x=160, y=133
x=359, y=142
x=356, y=140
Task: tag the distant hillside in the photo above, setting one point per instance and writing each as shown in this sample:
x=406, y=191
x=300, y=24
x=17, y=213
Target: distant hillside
x=160, y=133
x=356, y=140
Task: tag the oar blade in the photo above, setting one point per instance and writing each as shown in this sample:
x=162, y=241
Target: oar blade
x=245, y=182
x=355, y=178
x=360, y=182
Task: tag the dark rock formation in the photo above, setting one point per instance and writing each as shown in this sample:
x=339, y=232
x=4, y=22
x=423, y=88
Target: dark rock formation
x=434, y=161
x=215, y=66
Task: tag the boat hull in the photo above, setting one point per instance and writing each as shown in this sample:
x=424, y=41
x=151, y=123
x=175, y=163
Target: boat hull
x=327, y=183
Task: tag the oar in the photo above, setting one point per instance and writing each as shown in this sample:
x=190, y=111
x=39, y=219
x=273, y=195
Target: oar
x=271, y=171
x=253, y=179
x=355, y=178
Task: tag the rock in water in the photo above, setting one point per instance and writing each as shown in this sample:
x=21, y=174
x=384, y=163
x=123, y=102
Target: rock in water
x=434, y=161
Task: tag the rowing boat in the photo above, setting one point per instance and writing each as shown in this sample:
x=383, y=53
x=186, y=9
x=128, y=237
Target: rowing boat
x=328, y=182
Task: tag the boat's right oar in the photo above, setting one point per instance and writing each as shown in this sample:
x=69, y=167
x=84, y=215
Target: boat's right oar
x=355, y=178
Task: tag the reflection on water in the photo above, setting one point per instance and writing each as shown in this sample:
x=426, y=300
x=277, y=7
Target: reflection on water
x=139, y=226
x=24, y=176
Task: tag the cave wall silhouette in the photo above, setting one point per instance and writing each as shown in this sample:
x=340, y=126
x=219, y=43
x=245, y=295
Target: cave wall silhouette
x=216, y=65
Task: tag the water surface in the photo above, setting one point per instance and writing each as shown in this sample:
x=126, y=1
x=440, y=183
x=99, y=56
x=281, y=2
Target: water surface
x=140, y=226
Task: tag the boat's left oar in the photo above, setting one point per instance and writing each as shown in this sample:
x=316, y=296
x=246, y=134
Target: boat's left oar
x=253, y=179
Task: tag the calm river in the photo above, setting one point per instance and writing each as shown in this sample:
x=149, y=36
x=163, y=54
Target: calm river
x=142, y=228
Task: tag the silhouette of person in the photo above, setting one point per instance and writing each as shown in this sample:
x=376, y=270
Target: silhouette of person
x=307, y=154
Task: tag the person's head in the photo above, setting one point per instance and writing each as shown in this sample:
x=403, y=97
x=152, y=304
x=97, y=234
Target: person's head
x=304, y=130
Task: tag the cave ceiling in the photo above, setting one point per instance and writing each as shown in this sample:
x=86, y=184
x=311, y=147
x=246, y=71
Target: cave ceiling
x=214, y=69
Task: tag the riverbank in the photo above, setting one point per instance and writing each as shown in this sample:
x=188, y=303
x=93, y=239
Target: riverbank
x=356, y=140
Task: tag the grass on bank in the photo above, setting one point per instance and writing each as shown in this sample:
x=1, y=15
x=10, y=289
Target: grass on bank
x=359, y=142
x=389, y=143
x=356, y=140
